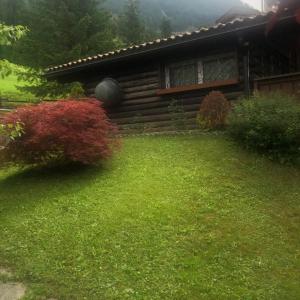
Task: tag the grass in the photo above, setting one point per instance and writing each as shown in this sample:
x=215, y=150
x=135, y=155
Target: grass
x=168, y=218
x=9, y=83
x=8, y=89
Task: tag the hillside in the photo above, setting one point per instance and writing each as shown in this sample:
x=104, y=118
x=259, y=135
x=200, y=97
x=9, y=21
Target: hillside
x=183, y=14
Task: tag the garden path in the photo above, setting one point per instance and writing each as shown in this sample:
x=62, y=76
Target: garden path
x=10, y=290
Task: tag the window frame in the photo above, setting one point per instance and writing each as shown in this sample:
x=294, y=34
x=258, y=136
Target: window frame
x=200, y=69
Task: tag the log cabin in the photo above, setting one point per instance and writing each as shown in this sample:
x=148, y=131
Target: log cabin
x=163, y=81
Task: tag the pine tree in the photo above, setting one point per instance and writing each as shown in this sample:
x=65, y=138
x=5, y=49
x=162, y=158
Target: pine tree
x=165, y=27
x=11, y=11
x=64, y=30
x=131, y=28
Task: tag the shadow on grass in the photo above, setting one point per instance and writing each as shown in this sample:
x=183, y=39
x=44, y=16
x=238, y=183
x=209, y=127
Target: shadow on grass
x=33, y=185
x=54, y=172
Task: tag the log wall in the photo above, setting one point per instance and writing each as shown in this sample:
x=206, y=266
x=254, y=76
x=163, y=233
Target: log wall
x=142, y=109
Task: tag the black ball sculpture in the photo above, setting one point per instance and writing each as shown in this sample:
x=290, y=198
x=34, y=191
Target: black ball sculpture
x=109, y=92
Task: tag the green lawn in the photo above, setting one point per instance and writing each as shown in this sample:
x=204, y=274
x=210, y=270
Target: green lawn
x=8, y=89
x=168, y=218
x=9, y=84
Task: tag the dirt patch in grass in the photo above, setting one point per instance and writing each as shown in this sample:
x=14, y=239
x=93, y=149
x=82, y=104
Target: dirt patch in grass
x=11, y=291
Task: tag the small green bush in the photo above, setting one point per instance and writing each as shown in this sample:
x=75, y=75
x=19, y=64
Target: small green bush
x=269, y=124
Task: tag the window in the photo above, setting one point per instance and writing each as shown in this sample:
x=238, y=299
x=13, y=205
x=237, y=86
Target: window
x=208, y=69
x=183, y=73
x=219, y=68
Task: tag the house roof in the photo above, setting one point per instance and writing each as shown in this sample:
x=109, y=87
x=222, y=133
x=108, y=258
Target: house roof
x=156, y=45
x=242, y=10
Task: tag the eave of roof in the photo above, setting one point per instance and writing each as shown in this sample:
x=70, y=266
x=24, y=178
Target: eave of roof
x=157, y=45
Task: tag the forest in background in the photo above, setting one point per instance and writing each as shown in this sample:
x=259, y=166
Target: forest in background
x=184, y=15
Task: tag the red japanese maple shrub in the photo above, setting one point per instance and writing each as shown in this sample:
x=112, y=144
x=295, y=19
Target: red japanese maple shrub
x=214, y=110
x=64, y=131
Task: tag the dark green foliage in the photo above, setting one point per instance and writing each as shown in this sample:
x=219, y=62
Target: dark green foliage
x=12, y=11
x=60, y=31
x=9, y=35
x=269, y=124
x=131, y=27
x=44, y=89
x=53, y=89
x=165, y=27
x=64, y=30
x=184, y=14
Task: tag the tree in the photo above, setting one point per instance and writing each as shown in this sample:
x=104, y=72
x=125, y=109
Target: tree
x=8, y=35
x=64, y=30
x=61, y=31
x=165, y=27
x=11, y=11
x=131, y=28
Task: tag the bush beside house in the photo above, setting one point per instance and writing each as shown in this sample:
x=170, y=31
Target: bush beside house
x=214, y=110
x=269, y=124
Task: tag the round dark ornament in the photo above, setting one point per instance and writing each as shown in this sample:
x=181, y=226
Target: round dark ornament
x=109, y=92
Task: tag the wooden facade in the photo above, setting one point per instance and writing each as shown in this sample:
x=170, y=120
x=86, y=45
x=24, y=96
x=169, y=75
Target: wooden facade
x=150, y=105
x=288, y=83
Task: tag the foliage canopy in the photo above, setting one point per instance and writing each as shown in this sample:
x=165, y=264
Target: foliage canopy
x=9, y=35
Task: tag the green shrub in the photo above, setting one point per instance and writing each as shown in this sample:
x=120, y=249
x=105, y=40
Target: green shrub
x=214, y=111
x=269, y=124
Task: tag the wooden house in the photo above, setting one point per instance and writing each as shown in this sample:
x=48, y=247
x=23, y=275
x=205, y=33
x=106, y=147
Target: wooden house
x=166, y=79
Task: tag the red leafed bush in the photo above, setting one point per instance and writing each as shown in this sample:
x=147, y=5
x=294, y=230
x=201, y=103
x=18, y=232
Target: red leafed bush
x=214, y=111
x=64, y=131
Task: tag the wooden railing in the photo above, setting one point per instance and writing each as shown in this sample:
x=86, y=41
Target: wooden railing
x=288, y=83
x=7, y=105
x=10, y=104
